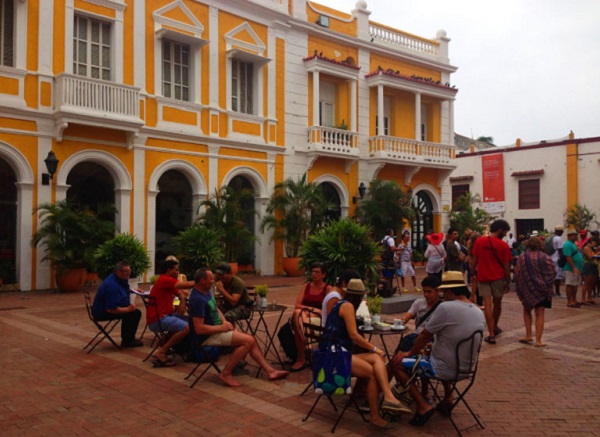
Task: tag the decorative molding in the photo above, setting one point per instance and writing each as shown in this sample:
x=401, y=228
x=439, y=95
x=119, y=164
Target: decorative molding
x=442, y=176
x=539, y=172
x=111, y=4
x=461, y=178
x=409, y=173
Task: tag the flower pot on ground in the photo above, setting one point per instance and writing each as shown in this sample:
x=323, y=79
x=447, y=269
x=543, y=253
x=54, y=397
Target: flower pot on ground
x=291, y=267
x=69, y=235
x=71, y=280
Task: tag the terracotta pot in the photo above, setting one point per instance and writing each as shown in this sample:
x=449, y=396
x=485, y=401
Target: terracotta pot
x=234, y=268
x=245, y=268
x=71, y=280
x=92, y=277
x=290, y=267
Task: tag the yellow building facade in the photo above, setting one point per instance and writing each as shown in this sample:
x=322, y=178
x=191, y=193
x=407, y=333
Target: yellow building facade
x=152, y=105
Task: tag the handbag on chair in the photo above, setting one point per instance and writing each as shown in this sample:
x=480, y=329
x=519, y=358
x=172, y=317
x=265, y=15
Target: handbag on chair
x=332, y=371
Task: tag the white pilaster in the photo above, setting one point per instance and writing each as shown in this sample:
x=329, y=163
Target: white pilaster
x=139, y=190
x=44, y=193
x=451, y=122
x=353, y=107
x=213, y=168
x=213, y=55
x=117, y=38
x=139, y=45
x=380, y=111
x=45, y=37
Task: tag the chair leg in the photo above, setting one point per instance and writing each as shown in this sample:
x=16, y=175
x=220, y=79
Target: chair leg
x=310, y=384
x=105, y=331
x=157, y=340
x=313, y=407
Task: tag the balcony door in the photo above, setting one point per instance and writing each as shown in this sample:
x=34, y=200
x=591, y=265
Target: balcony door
x=8, y=223
x=327, y=92
x=423, y=207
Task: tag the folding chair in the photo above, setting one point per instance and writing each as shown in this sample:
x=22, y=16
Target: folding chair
x=196, y=346
x=313, y=331
x=465, y=375
x=105, y=327
x=160, y=335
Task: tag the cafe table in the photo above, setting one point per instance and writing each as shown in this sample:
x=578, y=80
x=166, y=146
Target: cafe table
x=264, y=334
x=383, y=334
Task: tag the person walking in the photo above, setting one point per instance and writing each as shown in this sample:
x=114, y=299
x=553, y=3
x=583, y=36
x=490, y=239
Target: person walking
x=534, y=281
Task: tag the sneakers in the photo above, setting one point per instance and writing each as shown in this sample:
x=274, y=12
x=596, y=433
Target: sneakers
x=391, y=407
x=405, y=290
x=418, y=290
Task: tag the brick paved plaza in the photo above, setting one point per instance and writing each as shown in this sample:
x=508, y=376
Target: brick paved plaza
x=50, y=386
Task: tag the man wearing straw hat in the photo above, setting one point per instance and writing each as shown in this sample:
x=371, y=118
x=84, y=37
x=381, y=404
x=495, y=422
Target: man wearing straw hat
x=454, y=320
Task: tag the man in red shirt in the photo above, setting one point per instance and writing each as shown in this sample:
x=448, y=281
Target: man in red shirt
x=164, y=290
x=490, y=258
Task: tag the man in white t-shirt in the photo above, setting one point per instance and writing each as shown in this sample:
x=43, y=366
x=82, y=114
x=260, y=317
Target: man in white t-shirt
x=510, y=240
x=387, y=257
x=557, y=243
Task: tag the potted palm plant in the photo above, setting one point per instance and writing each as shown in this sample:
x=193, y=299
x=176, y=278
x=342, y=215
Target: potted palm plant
x=122, y=247
x=296, y=209
x=227, y=213
x=69, y=236
x=198, y=246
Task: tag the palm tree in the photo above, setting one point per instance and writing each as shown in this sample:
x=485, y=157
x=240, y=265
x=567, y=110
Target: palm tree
x=466, y=215
x=386, y=206
x=489, y=140
x=296, y=209
x=579, y=217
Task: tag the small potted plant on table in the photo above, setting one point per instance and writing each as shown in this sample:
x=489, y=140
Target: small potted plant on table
x=374, y=303
x=261, y=291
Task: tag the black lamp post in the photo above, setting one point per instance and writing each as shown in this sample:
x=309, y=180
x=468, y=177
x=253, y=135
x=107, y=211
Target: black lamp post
x=361, y=193
x=51, y=165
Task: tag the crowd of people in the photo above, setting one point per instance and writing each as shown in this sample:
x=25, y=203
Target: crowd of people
x=462, y=296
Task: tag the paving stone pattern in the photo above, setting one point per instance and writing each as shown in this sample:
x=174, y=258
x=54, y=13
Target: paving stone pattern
x=50, y=386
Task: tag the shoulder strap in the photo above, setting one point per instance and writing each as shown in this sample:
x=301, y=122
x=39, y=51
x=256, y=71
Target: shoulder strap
x=494, y=252
x=426, y=316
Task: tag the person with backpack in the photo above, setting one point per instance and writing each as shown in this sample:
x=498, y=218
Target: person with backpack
x=389, y=249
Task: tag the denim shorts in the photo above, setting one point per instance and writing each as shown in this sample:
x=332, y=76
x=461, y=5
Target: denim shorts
x=171, y=323
x=424, y=368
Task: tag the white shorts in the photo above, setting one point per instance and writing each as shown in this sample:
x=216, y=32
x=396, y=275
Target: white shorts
x=572, y=279
x=407, y=269
x=559, y=272
x=220, y=339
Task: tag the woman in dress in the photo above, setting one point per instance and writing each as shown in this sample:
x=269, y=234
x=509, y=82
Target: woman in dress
x=534, y=280
x=335, y=295
x=435, y=254
x=311, y=297
x=341, y=330
x=590, y=270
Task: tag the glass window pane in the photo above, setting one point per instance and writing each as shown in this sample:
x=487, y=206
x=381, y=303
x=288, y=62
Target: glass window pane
x=105, y=74
x=166, y=89
x=95, y=72
x=177, y=92
x=186, y=96
x=95, y=31
x=82, y=70
x=184, y=76
x=185, y=55
x=82, y=51
x=166, y=71
x=95, y=54
x=106, y=33
x=82, y=29
x=166, y=50
x=106, y=57
x=177, y=74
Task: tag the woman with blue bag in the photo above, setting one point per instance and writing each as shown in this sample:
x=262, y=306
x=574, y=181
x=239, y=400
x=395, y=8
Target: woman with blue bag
x=331, y=362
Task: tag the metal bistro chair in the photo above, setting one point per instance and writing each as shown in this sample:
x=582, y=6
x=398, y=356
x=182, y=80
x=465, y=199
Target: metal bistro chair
x=313, y=334
x=160, y=335
x=465, y=376
x=105, y=327
x=197, y=347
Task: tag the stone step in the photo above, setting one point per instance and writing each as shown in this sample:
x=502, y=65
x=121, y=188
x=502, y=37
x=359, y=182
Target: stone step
x=398, y=303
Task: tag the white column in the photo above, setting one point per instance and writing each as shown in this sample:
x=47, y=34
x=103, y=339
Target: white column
x=45, y=37
x=123, y=202
x=151, y=231
x=117, y=35
x=25, y=231
x=213, y=168
x=451, y=121
x=380, y=111
x=353, y=120
x=418, y=116
x=213, y=50
x=139, y=190
x=139, y=45
x=316, y=98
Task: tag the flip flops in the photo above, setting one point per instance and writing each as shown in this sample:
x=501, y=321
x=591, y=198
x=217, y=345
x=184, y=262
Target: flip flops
x=421, y=419
x=490, y=339
x=526, y=340
x=168, y=363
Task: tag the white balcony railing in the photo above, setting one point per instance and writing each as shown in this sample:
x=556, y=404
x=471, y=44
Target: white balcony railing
x=96, y=97
x=329, y=139
x=410, y=150
x=397, y=39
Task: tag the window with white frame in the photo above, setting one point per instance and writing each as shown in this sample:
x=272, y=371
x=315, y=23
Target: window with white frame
x=242, y=86
x=7, y=19
x=176, y=70
x=91, y=48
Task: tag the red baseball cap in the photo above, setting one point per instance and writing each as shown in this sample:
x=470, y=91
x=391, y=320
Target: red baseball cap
x=583, y=232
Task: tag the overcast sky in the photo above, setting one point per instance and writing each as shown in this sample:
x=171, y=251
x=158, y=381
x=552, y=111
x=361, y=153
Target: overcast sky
x=526, y=69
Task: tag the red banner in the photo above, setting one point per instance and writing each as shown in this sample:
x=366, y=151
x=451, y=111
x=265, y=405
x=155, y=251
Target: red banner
x=493, y=177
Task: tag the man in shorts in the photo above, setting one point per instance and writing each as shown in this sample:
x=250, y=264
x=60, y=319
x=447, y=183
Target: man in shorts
x=212, y=329
x=164, y=290
x=406, y=262
x=572, y=268
x=490, y=257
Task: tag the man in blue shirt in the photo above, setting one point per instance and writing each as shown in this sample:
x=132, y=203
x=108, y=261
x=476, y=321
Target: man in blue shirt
x=112, y=301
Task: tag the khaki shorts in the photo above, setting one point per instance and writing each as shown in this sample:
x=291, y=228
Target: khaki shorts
x=220, y=339
x=493, y=289
x=572, y=279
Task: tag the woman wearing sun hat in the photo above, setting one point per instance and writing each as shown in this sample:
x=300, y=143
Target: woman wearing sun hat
x=435, y=254
x=341, y=329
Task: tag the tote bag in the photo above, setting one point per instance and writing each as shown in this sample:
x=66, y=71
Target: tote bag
x=331, y=371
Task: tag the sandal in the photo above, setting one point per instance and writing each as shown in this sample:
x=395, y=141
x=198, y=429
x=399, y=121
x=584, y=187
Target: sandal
x=526, y=340
x=498, y=331
x=490, y=339
x=421, y=419
x=168, y=363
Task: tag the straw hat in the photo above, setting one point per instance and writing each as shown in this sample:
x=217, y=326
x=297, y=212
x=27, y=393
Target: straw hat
x=436, y=239
x=572, y=232
x=453, y=279
x=356, y=286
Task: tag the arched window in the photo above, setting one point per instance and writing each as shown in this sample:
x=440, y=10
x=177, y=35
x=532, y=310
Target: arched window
x=332, y=196
x=173, y=211
x=92, y=186
x=8, y=223
x=423, y=219
x=246, y=251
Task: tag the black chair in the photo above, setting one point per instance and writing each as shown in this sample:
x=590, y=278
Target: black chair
x=197, y=347
x=313, y=334
x=464, y=378
x=160, y=335
x=105, y=327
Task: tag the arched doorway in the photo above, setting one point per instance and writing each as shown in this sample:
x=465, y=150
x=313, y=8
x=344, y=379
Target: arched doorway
x=8, y=223
x=173, y=212
x=423, y=221
x=243, y=187
x=334, y=212
x=91, y=186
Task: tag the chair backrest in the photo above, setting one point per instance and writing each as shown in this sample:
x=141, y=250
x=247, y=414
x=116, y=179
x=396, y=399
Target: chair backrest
x=312, y=329
x=467, y=356
x=151, y=305
x=88, y=300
